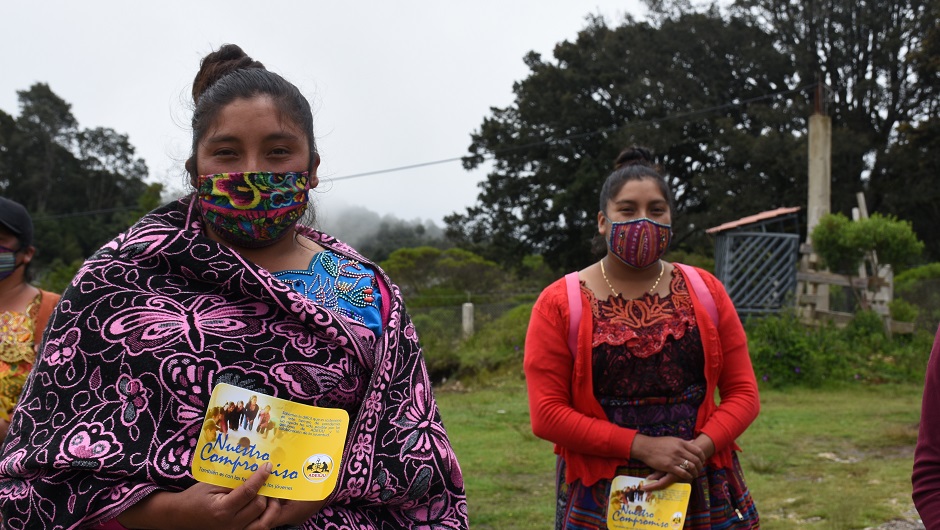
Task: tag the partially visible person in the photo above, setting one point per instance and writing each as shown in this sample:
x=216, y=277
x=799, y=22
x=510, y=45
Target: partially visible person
x=264, y=418
x=251, y=410
x=631, y=387
x=24, y=309
x=926, y=476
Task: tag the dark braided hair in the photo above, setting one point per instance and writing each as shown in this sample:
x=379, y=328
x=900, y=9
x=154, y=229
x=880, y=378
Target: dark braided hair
x=228, y=74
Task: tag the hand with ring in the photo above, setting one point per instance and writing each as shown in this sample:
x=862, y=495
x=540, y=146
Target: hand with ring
x=664, y=454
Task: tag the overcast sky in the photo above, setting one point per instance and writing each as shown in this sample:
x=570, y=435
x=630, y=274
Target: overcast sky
x=392, y=83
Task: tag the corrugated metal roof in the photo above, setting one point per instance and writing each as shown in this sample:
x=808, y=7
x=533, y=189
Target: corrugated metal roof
x=770, y=214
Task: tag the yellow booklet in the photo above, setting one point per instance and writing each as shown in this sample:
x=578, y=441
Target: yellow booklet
x=244, y=429
x=631, y=507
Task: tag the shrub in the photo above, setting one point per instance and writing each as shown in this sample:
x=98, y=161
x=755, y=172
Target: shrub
x=920, y=287
x=497, y=344
x=785, y=352
x=902, y=310
x=439, y=338
x=690, y=258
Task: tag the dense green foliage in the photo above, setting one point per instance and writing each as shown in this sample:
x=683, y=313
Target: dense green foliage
x=843, y=244
x=919, y=288
x=81, y=186
x=786, y=353
x=726, y=112
x=913, y=156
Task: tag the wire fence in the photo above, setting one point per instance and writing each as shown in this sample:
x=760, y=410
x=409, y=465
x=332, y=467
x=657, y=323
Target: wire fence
x=449, y=320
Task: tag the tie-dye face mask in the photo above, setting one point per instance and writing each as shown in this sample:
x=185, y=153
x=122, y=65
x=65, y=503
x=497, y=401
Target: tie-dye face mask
x=252, y=209
x=639, y=243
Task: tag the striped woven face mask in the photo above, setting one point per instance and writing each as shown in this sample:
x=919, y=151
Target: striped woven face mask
x=639, y=243
x=252, y=209
x=7, y=262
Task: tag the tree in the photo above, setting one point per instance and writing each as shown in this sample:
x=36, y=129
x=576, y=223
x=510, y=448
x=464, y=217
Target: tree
x=394, y=234
x=843, y=245
x=430, y=276
x=81, y=186
x=40, y=145
x=718, y=110
x=874, y=57
x=904, y=184
x=907, y=183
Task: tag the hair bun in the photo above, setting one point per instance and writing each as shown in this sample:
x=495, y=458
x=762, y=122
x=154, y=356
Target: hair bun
x=634, y=156
x=227, y=59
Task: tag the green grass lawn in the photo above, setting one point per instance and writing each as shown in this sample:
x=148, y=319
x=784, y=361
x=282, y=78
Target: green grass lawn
x=830, y=459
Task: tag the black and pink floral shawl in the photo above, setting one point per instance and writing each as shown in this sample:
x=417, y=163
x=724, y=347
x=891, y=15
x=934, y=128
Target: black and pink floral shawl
x=150, y=324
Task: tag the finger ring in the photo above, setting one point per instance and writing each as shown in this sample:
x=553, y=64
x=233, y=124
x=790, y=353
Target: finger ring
x=684, y=465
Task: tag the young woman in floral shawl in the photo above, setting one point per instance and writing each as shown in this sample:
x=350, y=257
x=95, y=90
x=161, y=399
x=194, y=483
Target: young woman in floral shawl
x=223, y=286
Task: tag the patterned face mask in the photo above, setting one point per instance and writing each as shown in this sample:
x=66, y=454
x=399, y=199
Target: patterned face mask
x=639, y=243
x=252, y=209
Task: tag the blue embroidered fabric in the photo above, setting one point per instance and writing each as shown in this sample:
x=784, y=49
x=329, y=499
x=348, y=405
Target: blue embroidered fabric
x=343, y=285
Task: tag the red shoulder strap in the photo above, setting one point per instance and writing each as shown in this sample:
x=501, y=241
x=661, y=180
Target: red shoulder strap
x=574, y=310
x=701, y=290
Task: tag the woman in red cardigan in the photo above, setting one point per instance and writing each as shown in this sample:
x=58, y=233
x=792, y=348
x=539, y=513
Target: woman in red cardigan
x=637, y=397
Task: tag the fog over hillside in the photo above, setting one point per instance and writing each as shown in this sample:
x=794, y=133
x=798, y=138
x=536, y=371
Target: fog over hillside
x=358, y=225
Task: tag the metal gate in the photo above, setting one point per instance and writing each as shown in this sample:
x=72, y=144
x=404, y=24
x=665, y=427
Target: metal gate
x=758, y=269
x=756, y=258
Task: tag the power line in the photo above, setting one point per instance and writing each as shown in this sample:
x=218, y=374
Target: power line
x=587, y=134
x=400, y=168
x=496, y=152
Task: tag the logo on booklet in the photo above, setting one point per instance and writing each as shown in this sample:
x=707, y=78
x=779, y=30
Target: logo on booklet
x=318, y=468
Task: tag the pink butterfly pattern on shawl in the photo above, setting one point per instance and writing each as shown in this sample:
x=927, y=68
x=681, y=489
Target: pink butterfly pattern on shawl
x=163, y=320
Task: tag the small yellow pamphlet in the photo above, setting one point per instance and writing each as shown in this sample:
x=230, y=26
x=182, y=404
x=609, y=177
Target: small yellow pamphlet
x=244, y=429
x=631, y=507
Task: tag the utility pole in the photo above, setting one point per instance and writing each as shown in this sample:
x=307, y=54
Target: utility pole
x=819, y=196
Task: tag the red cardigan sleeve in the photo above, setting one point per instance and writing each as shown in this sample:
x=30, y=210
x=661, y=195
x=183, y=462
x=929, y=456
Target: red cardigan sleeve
x=737, y=386
x=926, y=476
x=548, y=368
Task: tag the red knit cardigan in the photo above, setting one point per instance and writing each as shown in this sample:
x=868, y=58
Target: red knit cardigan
x=561, y=391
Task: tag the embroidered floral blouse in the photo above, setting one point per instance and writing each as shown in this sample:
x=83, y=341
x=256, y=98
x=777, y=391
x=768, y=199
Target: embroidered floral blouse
x=647, y=346
x=17, y=352
x=343, y=285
